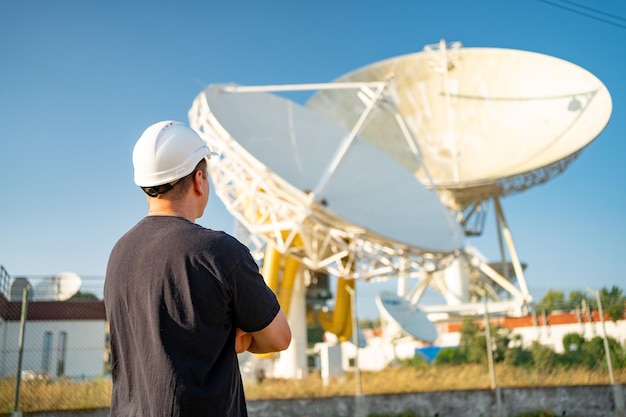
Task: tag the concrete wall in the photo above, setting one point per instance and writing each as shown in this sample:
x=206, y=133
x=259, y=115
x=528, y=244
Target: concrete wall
x=573, y=401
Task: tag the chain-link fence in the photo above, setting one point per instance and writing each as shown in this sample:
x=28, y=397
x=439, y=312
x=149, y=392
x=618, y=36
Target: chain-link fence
x=53, y=345
x=54, y=355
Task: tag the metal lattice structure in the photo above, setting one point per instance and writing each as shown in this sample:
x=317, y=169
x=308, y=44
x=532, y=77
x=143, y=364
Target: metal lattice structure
x=272, y=210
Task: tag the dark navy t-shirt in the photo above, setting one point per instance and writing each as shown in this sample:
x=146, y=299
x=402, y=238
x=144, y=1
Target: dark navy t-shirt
x=175, y=292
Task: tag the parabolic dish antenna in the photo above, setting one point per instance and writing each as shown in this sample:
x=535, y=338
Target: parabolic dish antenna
x=399, y=313
x=59, y=287
x=488, y=121
x=276, y=176
x=17, y=287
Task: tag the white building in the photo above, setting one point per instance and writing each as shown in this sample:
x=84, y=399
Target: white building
x=61, y=339
x=548, y=330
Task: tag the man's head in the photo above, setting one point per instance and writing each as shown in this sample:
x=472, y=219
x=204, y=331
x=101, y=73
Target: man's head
x=165, y=154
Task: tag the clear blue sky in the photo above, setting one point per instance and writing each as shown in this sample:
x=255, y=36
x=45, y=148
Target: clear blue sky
x=80, y=80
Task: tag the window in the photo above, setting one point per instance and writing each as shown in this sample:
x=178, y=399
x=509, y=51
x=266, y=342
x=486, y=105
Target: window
x=61, y=349
x=47, y=347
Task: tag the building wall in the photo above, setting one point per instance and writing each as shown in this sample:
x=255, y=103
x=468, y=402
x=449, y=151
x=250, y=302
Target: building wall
x=550, y=335
x=83, y=356
x=381, y=351
x=576, y=401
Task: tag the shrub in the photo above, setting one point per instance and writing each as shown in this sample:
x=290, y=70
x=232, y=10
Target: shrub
x=418, y=362
x=518, y=356
x=544, y=357
x=450, y=356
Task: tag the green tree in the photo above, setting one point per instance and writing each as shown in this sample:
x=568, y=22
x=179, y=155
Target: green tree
x=552, y=300
x=83, y=296
x=575, y=300
x=472, y=344
x=613, y=302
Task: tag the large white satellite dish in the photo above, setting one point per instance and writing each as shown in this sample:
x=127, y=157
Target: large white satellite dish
x=488, y=121
x=274, y=176
x=316, y=192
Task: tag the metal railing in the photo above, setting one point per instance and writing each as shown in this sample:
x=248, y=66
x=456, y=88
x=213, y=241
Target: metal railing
x=4, y=281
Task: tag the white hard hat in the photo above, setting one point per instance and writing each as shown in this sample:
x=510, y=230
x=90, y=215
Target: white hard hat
x=167, y=151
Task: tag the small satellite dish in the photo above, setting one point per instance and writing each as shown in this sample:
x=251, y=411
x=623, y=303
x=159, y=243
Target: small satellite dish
x=59, y=287
x=398, y=312
x=16, y=289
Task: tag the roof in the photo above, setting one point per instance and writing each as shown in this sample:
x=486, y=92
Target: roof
x=53, y=310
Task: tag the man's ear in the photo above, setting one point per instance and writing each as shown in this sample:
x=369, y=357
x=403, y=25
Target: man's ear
x=198, y=177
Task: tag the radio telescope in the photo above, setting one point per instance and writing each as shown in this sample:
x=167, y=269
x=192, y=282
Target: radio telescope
x=316, y=195
x=385, y=170
x=307, y=179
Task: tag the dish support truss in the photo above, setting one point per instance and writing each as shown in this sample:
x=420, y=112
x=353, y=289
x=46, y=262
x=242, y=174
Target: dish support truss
x=482, y=279
x=274, y=211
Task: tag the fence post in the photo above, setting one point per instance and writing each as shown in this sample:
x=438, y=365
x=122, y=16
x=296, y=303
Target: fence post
x=18, y=377
x=492, y=369
x=359, y=401
x=618, y=397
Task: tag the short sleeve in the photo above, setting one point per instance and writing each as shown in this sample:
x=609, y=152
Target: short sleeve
x=255, y=305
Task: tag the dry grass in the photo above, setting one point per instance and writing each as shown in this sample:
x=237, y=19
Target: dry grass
x=68, y=395
x=510, y=376
x=55, y=395
x=395, y=380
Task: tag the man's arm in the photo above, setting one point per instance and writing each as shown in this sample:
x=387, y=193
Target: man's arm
x=273, y=338
x=242, y=341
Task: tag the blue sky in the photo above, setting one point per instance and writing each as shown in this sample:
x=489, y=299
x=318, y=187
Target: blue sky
x=80, y=80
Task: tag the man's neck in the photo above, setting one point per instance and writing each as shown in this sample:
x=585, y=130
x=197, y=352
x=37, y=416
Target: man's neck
x=158, y=207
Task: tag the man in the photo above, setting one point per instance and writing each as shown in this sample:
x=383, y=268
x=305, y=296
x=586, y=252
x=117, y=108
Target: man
x=183, y=300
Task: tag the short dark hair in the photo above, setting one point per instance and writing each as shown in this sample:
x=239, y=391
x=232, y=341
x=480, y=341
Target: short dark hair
x=177, y=189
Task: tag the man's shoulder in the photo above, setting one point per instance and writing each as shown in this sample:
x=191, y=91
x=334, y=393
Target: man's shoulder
x=218, y=235
x=225, y=240
x=171, y=231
